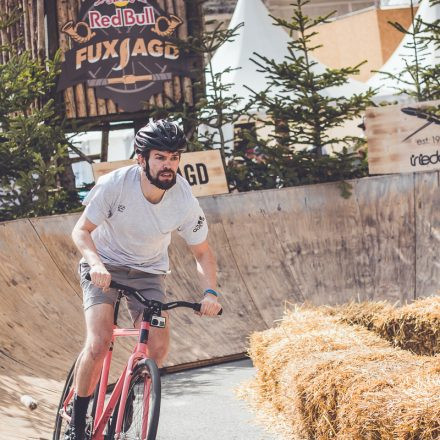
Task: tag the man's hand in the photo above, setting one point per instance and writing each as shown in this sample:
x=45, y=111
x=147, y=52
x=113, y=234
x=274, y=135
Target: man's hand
x=100, y=276
x=210, y=306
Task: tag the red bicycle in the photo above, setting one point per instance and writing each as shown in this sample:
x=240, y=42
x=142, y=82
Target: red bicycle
x=132, y=411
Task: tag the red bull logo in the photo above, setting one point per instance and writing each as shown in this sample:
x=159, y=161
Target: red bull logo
x=122, y=17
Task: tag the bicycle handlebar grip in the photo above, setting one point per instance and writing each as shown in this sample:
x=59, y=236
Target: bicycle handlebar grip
x=198, y=306
x=112, y=283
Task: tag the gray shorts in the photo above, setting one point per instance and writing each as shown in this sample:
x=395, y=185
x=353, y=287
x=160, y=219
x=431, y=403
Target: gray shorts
x=151, y=286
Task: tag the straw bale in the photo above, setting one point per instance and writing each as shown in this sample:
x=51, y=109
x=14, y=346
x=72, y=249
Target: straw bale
x=370, y=314
x=414, y=327
x=328, y=380
x=409, y=410
x=301, y=334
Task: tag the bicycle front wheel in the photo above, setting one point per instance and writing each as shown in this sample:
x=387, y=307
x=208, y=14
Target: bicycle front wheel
x=142, y=409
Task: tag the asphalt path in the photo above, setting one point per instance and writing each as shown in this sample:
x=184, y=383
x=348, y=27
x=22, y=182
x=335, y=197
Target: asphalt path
x=201, y=404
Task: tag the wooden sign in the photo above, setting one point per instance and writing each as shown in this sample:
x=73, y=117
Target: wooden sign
x=202, y=169
x=403, y=138
x=124, y=50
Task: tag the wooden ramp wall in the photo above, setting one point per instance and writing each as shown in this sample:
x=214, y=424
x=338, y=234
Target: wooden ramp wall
x=295, y=245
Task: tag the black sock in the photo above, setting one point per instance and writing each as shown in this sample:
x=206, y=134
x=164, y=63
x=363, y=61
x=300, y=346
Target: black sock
x=79, y=411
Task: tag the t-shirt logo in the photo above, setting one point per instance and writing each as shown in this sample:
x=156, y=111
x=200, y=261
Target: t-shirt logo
x=121, y=208
x=199, y=224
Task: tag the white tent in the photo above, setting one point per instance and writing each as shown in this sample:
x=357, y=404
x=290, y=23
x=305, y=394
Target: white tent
x=387, y=88
x=259, y=35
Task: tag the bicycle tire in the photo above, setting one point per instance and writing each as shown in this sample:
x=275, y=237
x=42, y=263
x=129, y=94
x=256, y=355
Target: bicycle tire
x=61, y=424
x=142, y=409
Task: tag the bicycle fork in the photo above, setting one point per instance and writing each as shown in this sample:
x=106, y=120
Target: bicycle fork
x=140, y=352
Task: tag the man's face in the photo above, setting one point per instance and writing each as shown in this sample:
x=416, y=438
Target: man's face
x=162, y=168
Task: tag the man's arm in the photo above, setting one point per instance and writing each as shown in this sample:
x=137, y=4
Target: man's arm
x=207, y=270
x=81, y=236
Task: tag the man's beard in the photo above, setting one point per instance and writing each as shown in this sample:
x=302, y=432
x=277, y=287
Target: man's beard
x=167, y=184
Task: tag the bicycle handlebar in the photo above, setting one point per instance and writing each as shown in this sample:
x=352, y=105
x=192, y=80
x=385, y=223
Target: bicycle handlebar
x=129, y=291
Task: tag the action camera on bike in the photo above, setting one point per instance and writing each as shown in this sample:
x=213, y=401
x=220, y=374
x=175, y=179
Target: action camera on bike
x=158, y=321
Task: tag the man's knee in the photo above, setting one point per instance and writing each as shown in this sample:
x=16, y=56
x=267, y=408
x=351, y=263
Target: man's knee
x=99, y=322
x=97, y=344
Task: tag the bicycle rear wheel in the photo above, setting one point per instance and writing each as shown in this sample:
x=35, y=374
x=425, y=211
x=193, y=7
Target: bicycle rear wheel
x=61, y=424
x=142, y=409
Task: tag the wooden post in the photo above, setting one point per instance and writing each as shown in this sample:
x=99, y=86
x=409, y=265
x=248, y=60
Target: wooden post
x=111, y=106
x=52, y=27
x=12, y=29
x=102, y=108
x=104, y=144
x=40, y=30
x=4, y=34
x=80, y=96
x=168, y=91
x=32, y=28
x=159, y=100
x=69, y=97
x=182, y=34
x=195, y=27
x=27, y=37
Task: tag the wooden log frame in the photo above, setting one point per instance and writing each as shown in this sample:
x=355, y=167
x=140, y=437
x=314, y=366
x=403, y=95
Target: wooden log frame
x=81, y=101
x=42, y=19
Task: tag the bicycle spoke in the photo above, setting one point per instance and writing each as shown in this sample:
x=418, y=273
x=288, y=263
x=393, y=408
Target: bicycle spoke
x=142, y=407
x=135, y=426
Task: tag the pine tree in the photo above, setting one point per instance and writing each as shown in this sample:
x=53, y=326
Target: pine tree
x=33, y=145
x=214, y=106
x=217, y=108
x=419, y=79
x=300, y=112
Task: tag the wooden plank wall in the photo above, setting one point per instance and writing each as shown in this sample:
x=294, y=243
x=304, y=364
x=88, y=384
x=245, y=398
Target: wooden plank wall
x=80, y=100
x=28, y=32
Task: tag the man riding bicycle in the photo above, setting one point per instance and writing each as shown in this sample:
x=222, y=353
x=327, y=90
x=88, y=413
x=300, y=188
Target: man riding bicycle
x=123, y=235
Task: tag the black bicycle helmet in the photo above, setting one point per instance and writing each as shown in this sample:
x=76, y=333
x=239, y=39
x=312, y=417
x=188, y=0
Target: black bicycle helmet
x=160, y=135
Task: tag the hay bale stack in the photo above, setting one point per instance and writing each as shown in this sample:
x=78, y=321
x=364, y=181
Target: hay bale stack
x=329, y=380
x=371, y=314
x=414, y=327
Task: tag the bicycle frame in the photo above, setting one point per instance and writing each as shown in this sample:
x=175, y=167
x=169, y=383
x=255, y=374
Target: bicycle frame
x=122, y=386
x=103, y=412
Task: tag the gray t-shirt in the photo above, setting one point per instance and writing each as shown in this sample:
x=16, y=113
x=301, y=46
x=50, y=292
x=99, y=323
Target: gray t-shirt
x=132, y=231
